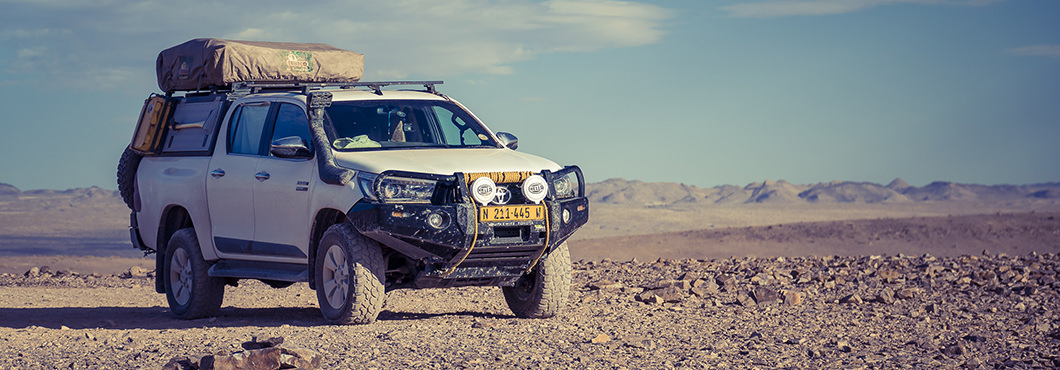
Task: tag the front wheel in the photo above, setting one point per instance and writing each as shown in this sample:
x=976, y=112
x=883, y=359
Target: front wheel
x=349, y=276
x=190, y=290
x=543, y=292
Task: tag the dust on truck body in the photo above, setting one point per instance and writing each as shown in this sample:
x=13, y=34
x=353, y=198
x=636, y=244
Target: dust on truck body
x=289, y=169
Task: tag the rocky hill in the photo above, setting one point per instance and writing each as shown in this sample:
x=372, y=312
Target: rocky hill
x=621, y=191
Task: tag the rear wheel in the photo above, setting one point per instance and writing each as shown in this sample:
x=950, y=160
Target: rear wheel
x=191, y=292
x=349, y=276
x=542, y=292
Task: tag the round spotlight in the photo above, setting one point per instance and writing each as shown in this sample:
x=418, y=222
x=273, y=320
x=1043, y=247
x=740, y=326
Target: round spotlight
x=437, y=220
x=566, y=216
x=535, y=189
x=483, y=190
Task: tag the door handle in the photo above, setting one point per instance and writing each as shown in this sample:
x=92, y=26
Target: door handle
x=218, y=173
x=261, y=176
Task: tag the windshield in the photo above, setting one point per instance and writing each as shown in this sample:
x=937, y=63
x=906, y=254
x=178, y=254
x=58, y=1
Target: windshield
x=383, y=124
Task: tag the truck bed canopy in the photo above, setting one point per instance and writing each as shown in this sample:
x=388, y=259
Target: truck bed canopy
x=207, y=63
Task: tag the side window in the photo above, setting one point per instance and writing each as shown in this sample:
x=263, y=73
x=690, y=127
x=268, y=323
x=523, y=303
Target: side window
x=291, y=121
x=246, y=128
x=455, y=129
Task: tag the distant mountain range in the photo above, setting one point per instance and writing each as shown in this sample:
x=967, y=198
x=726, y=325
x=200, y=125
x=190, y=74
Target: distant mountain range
x=621, y=191
x=8, y=190
x=635, y=192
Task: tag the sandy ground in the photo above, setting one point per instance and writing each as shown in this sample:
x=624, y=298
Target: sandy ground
x=986, y=311
x=877, y=286
x=1012, y=233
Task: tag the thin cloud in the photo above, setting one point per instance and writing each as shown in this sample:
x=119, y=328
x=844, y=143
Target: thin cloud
x=400, y=38
x=789, y=8
x=1049, y=51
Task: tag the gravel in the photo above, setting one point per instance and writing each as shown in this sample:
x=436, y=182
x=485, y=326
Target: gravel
x=980, y=311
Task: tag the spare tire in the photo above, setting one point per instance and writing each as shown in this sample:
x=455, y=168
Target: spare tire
x=127, y=165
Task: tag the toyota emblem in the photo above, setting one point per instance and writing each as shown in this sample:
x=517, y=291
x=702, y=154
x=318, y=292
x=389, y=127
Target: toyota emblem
x=502, y=196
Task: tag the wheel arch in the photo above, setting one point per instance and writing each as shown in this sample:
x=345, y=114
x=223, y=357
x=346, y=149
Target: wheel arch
x=324, y=219
x=175, y=217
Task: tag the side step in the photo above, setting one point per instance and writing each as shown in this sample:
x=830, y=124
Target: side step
x=260, y=270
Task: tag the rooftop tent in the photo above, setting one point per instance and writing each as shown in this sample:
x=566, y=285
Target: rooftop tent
x=201, y=64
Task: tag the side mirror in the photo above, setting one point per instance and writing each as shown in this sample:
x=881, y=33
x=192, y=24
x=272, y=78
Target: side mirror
x=508, y=140
x=291, y=147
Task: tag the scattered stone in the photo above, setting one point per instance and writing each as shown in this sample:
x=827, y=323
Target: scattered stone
x=888, y=276
x=600, y=339
x=640, y=342
x=973, y=363
x=136, y=272
x=673, y=294
x=649, y=297
x=954, y=350
x=605, y=284
x=664, y=284
x=851, y=299
x=264, y=354
x=764, y=295
x=727, y=283
x=483, y=325
x=704, y=288
x=32, y=272
x=762, y=278
x=843, y=346
x=745, y=299
x=886, y=296
x=907, y=293
x=256, y=343
x=792, y=298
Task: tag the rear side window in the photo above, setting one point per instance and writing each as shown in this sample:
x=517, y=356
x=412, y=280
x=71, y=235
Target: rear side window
x=246, y=128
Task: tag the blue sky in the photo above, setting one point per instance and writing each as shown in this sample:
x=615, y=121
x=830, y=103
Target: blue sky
x=700, y=92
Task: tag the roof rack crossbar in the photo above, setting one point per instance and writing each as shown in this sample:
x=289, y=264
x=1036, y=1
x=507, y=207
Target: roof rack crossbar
x=255, y=86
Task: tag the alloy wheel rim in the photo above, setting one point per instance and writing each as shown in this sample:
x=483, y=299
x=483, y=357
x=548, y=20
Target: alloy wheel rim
x=180, y=276
x=336, y=277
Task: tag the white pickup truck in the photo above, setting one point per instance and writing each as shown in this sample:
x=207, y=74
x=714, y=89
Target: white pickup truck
x=354, y=188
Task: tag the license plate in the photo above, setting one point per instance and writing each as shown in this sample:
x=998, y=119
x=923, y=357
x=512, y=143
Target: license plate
x=512, y=213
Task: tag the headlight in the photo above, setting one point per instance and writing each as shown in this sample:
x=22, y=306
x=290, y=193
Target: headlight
x=393, y=189
x=566, y=185
x=366, y=181
x=405, y=190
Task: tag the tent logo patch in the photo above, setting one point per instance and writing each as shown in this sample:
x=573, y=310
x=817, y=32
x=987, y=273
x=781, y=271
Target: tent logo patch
x=298, y=62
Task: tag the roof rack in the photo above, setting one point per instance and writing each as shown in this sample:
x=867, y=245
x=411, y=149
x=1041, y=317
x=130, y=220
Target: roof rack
x=249, y=87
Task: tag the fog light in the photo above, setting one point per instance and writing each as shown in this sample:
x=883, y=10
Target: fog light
x=483, y=189
x=535, y=189
x=437, y=220
x=566, y=216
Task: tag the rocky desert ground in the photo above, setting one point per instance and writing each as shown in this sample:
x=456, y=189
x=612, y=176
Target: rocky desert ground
x=692, y=278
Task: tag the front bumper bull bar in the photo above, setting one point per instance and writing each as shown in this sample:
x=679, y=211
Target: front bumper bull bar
x=464, y=250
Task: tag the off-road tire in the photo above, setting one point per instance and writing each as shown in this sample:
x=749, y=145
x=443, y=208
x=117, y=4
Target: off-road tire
x=349, y=276
x=191, y=292
x=127, y=165
x=543, y=292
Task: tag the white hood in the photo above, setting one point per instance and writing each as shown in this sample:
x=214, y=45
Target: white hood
x=444, y=161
